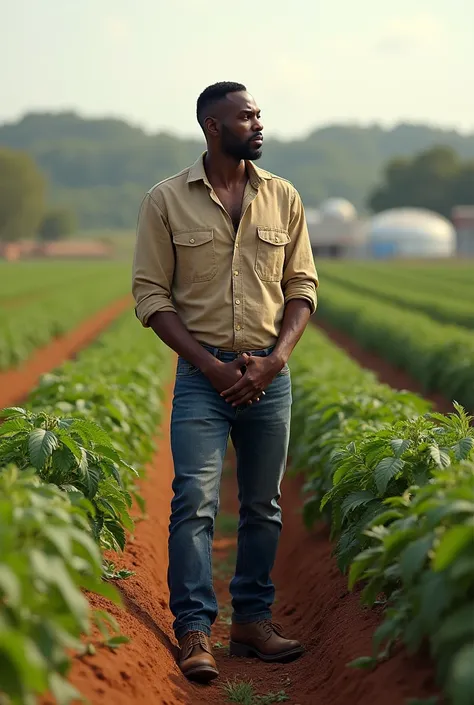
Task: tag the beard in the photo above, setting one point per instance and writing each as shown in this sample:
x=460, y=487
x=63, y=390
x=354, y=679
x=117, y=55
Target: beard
x=236, y=148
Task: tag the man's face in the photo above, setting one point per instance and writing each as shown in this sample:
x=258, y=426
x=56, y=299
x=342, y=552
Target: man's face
x=240, y=127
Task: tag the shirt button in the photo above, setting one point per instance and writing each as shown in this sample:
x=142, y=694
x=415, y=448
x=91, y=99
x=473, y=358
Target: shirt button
x=238, y=327
x=237, y=301
x=236, y=273
x=277, y=239
x=192, y=240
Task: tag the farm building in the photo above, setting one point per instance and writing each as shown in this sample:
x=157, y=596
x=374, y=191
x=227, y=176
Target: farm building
x=410, y=232
x=335, y=230
x=463, y=219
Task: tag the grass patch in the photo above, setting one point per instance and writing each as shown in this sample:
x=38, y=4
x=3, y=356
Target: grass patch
x=227, y=524
x=225, y=614
x=243, y=693
x=225, y=568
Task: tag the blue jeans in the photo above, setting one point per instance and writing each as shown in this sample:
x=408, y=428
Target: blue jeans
x=201, y=423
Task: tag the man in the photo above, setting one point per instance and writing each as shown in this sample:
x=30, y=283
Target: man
x=223, y=273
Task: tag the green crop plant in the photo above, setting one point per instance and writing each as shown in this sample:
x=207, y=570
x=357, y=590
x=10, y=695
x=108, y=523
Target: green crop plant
x=77, y=456
x=47, y=557
x=396, y=482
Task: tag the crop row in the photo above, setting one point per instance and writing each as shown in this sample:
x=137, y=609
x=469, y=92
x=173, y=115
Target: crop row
x=69, y=465
x=57, y=309
x=440, y=357
x=396, y=482
x=23, y=280
x=441, y=300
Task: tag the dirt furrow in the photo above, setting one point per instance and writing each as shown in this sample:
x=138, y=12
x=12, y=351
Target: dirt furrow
x=17, y=382
x=385, y=371
x=312, y=603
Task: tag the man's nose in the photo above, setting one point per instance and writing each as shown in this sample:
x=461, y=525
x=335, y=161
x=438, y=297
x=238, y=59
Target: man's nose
x=258, y=125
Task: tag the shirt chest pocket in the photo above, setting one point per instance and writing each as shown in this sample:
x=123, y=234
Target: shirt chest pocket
x=195, y=255
x=270, y=259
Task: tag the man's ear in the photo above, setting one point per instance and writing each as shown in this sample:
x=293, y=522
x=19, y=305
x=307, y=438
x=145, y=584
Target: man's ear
x=211, y=126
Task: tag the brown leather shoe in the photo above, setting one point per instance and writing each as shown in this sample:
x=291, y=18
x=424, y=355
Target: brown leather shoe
x=196, y=660
x=264, y=640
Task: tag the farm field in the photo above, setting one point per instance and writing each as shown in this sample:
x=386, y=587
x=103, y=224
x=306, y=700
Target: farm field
x=374, y=568
x=438, y=355
x=443, y=293
x=43, y=300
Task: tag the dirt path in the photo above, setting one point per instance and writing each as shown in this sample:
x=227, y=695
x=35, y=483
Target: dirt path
x=16, y=383
x=385, y=371
x=312, y=603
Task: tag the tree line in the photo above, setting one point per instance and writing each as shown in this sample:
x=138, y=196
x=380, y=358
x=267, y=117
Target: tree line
x=99, y=169
x=24, y=210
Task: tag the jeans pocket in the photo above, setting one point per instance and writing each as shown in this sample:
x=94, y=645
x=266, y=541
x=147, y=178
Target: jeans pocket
x=185, y=368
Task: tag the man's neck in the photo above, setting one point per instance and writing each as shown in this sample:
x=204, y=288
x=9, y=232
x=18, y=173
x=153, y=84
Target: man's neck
x=224, y=171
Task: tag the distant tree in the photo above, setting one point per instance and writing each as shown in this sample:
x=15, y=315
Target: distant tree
x=57, y=224
x=22, y=189
x=435, y=179
x=102, y=167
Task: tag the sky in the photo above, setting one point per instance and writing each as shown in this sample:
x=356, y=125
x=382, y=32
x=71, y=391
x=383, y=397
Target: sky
x=307, y=62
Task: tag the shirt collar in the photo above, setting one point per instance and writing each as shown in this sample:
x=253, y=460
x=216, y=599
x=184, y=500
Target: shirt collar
x=198, y=173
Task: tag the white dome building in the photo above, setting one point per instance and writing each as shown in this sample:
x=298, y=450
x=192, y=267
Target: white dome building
x=338, y=209
x=334, y=229
x=411, y=232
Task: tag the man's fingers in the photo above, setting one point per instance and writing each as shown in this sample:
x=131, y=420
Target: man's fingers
x=236, y=388
x=248, y=398
x=242, y=360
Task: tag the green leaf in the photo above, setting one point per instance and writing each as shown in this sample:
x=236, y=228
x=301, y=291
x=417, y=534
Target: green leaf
x=364, y=663
x=100, y=587
x=355, y=500
x=10, y=411
x=63, y=691
x=117, y=532
x=451, y=545
x=399, y=446
x=414, y=556
x=115, y=641
x=10, y=586
x=26, y=668
x=70, y=443
x=459, y=625
x=41, y=445
x=90, y=482
x=385, y=517
x=387, y=631
x=108, y=452
x=60, y=540
x=461, y=683
x=360, y=563
x=91, y=431
x=439, y=455
x=14, y=425
x=385, y=470
x=463, y=448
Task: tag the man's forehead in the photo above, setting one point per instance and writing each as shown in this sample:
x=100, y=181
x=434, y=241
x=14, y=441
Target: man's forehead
x=241, y=100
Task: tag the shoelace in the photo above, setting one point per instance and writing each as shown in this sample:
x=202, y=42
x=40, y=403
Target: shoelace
x=271, y=627
x=194, y=639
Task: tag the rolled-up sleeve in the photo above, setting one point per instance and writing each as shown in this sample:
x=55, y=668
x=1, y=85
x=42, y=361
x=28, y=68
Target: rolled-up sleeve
x=300, y=278
x=153, y=263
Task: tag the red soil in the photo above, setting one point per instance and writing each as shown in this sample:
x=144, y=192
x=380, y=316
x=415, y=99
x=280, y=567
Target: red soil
x=312, y=603
x=16, y=383
x=385, y=371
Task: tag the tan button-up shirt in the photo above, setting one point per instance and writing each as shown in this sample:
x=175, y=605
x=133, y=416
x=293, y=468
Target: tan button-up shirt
x=228, y=288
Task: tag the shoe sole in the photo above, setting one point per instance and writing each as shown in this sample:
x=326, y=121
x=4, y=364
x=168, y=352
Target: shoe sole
x=244, y=651
x=201, y=675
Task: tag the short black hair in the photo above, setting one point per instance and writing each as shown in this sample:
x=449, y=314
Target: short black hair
x=212, y=94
